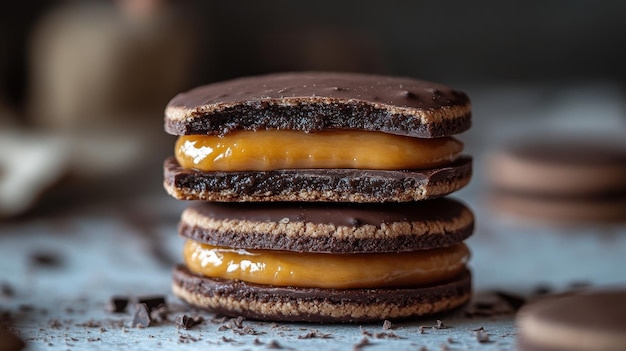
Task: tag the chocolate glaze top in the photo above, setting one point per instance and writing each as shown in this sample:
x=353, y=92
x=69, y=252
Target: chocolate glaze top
x=402, y=92
x=314, y=101
x=338, y=214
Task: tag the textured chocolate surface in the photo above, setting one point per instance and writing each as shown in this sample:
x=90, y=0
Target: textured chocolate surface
x=337, y=185
x=314, y=101
x=329, y=227
x=253, y=301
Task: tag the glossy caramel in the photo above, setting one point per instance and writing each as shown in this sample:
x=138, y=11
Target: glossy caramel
x=340, y=271
x=283, y=149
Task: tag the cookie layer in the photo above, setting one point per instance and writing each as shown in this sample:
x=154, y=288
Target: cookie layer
x=337, y=185
x=594, y=320
x=316, y=101
x=253, y=301
x=329, y=227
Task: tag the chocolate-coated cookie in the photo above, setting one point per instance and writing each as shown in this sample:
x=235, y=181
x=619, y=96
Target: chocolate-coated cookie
x=261, y=302
x=315, y=101
x=329, y=227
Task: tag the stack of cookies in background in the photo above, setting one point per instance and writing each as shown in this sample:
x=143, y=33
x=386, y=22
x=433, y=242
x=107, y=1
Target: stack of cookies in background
x=321, y=197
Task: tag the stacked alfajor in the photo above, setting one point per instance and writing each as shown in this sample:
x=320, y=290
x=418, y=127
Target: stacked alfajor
x=320, y=197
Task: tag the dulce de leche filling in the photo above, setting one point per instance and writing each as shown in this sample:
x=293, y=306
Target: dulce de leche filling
x=320, y=270
x=283, y=149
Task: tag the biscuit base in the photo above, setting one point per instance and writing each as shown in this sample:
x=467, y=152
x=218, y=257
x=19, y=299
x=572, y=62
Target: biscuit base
x=321, y=185
x=292, y=304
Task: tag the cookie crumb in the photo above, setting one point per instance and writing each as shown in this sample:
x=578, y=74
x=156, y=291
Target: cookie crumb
x=440, y=325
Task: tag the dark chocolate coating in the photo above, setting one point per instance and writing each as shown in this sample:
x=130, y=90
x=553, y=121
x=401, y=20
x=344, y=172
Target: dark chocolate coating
x=343, y=185
x=323, y=298
x=434, y=212
x=314, y=101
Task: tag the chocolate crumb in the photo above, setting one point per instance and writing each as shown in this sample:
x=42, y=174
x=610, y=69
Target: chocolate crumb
x=186, y=322
x=257, y=342
x=55, y=324
x=387, y=335
x=152, y=302
x=141, y=318
x=6, y=290
x=451, y=341
x=387, y=325
x=445, y=347
x=315, y=334
x=247, y=330
x=225, y=339
x=238, y=322
x=90, y=324
x=26, y=308
x=186, y=339
x=440, y=325
x=482, y=337
x=117, y=304
x=274, y=345
x=365, y=332
x=46, y=259
x=423, y=348
x=478, y=329
x=93, y=339
x=514, y=301
x=361, y=344
x=159, y=314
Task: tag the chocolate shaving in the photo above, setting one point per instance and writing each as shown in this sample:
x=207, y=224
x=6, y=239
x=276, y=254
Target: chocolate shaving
x=46, y=259
x=387, y=335
x=117, y=304
x=6, y=290
x=482, y=337
x=274, y=345
x=186, y=322
x=141, y=318
x=151, y=302
x=315, y=334
x=478, y=329
x=440, y=325
x=387, y=325
x=361, y=344
x=159, y=314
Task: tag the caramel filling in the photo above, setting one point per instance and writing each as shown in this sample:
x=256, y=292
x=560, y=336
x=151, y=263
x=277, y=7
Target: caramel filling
x=282, y=149
x=317, y=270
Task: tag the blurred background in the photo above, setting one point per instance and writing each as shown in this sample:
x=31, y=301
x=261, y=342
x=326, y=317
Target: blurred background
x=83, y=84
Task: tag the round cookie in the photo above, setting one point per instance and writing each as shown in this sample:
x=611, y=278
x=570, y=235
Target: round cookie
x=561, y=178
x=315, y=101
x=324, y=185
x=329, y=227
x=561, y=166
x=254, y=301
x=593, y=320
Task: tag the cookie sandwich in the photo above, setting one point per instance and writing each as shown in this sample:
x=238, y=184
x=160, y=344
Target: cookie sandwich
x=320, y=197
